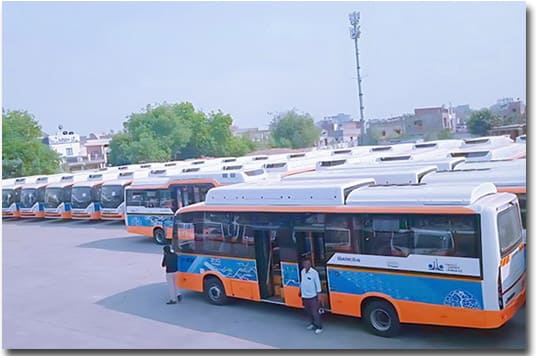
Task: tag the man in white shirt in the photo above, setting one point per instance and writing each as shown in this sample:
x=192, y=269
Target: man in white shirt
x=310, y=288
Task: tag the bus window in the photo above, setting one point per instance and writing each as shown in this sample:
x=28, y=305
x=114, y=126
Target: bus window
x=135, y=197
x=338, y=237
x=510, y=233
x=523, y=206
x=379, y=231
x=165, y=199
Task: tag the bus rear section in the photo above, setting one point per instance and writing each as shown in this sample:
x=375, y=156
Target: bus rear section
x=418, y=254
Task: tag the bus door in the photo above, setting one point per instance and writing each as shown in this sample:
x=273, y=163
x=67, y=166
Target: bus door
x=268, y=264
x=310, y=242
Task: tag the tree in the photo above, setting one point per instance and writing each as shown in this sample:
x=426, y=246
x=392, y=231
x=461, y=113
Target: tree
x=294, y=130
x=175, y=131
x=481, y=121
x=444, y=134
x=23, y=153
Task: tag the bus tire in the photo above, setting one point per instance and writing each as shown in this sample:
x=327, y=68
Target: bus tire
x=159, y=236
x=381, y=318
x=215, y=291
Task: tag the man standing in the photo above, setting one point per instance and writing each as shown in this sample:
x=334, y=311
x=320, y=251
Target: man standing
x=310, y=288
x=170, y=262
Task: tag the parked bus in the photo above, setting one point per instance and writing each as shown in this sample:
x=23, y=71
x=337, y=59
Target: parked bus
x=511, y=177
x=32, y=197
x=151, y=202
x=11, y=197
x=442, y=164
x=58, y=197
x=418, y=254
x=86, y=196
x=112, y=198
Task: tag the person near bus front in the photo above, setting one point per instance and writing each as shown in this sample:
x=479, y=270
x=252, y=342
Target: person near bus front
x=310, y=288
x=169, y=261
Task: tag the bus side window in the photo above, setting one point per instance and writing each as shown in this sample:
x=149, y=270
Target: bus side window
x=379, y=231
x=339, y=235
x=165, y=199
x=522, y=198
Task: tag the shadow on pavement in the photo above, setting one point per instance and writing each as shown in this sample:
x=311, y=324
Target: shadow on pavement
x=139, y=244
x=284, y=327
x=99, y=224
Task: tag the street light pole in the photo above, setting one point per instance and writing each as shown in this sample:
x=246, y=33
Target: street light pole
x=355, y=33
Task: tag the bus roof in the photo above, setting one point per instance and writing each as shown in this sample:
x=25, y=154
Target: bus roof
x=506, y=177
x=68, y=180
x=382, y=175
x=421, y=195
x=507, y=163
x=42, y=182
x=287, y=193
x=442, y=164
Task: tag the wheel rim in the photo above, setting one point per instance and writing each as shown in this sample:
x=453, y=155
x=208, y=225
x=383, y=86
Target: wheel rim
x=215, y=293
x=380, y=320
x=159, y=236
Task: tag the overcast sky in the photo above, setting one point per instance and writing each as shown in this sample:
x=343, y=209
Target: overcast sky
x=89, y=65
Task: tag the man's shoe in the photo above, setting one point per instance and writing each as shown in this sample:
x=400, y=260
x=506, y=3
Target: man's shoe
x=318, y=331
x=179, y=298
x=310, y=327
x=171, y=302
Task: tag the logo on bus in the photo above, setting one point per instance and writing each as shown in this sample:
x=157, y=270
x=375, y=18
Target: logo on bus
x=436, y=266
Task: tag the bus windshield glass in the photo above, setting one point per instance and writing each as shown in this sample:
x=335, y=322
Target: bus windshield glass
x=53, y=197
x=81, y=197
x=28, y=197
x=8, y=197
x=112, y=196
x=509, y=226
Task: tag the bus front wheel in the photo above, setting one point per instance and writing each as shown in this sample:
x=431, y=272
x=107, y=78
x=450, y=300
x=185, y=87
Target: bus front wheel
x=381, y=318
x=215, y=291
x=160, y=236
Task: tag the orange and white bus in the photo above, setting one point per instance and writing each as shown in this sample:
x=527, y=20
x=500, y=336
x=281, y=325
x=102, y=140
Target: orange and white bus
x=58, y=196
x=32, y=197
x=11, y=197
x=86, y=196
x=151, y=202
x=419, y=254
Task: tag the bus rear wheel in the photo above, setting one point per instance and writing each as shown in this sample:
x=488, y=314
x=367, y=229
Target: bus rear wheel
x=160, y=236
x=215, y=291
x=381, y=318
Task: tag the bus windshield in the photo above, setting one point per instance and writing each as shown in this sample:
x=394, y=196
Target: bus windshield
x=81, y=197
x=509, y=226
x=53, y=197
x=28, y=197
x=8, y=197
x=112, y=196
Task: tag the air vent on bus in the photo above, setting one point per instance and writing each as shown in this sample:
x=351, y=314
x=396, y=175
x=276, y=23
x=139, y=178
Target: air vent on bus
x=474, y=141
x=122, y=168
x=189, y=170
x=395, y=158
x=145, y=166
x=67, y=178
x=42, y=180
x=470, y=154
x=337, y=162
x=232, y=168
x=260, y=158
x=275, y=165
x=157, y=171
x=378, y=149
x=94, y=177
x=228, y=160
x=197, y=162
x=126, y=174
x=425, y=145
x=170, y=164
x=20, y=180
x=255, y=172
x=341, y=152
x=296, y=155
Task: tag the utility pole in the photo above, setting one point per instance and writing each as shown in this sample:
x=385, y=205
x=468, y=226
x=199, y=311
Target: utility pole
x=355, y=32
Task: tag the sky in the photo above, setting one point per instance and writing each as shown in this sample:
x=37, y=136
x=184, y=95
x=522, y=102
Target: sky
x=87, y=66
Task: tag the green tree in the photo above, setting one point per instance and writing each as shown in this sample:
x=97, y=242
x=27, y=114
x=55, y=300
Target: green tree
x=175, y=131
x=481, y=121
x=23, y=152
x=294, y=130
x=444, y=134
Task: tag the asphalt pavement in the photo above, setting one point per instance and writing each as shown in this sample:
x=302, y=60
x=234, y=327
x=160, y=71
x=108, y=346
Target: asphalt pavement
x=78, y=284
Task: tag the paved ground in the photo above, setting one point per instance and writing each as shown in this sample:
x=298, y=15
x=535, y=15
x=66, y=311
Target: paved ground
x=92, y=285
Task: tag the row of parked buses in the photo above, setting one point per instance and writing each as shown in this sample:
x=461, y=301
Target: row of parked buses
x=427, y=233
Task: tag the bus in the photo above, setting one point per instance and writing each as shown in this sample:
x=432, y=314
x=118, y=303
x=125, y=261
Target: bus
x=418, y=254
x=11, y=197
x=151, y=202
x=32, y=197
x=510, y=177
x=58, y=196
x=511, y=151
x=86, y=196
x=442, y=164
x=112, y=196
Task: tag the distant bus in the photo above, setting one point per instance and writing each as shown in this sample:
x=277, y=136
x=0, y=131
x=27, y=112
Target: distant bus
x=58, y=197
x=11, y=197
x=442, y=164
x=151, y=202
x=416, y=254
x=32, y=197
x=112, y=196
x=86, y=196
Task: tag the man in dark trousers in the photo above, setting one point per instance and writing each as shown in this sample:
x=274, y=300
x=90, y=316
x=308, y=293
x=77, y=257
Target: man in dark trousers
x=310, y=288
x=170, y=262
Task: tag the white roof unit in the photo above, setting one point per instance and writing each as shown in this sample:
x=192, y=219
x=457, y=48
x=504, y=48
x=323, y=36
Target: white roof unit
x=501, y=177
x=521, y=139
x=507, y=164
x=445, y=164
x=421, y=195
x=490, y=141
x=381, y=175
x=285, y=193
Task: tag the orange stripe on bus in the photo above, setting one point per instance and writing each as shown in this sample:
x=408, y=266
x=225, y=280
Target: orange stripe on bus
x=329, y=209
x=141, y=230
x=505, y=261
x=515, y=190
x=297, y=171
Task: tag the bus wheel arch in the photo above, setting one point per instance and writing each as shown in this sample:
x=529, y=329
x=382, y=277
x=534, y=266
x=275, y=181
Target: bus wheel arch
x=159, y=236
x=214, y=290
x=381, y=316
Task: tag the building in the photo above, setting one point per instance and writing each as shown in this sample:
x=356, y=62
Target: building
x=430, y=121
x=66, y=143
x=510, y=110
x=254, y=134
x=385, y=129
